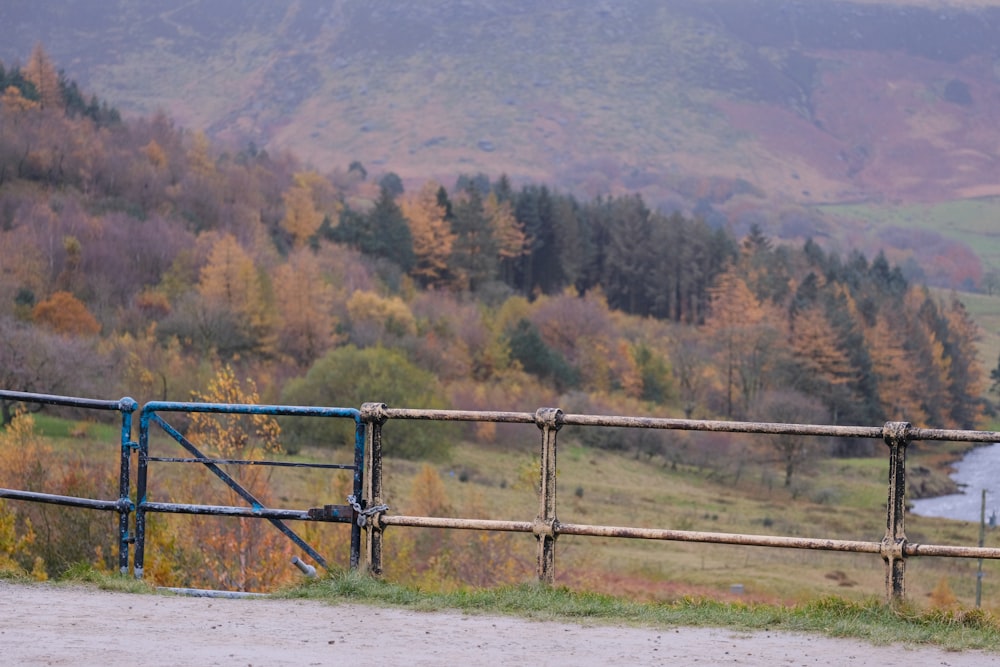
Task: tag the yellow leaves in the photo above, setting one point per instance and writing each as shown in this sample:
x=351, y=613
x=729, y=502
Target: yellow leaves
x=378, y=315
x=22, y=456
x=629, y=371
x=301, y=219
x=816, y=346
x=745, y=330
x=12, y=543
x=235, y=435
x=157, y=156
x=432, y=236
x=230, y=283
x=229, y=277
x=890, y=364
x=40, y=71
x=13, y=100
x=507, y=230
x=199, y=156
x=304, y=300
x=22, y=452
x=734, y=306
x=448, y=559
x=427, y=494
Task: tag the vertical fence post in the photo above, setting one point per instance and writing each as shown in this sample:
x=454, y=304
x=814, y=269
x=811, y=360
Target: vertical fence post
x=126, y=406
x=373, y=416
x=140, y=495
x=549, y=420
x=896, y=436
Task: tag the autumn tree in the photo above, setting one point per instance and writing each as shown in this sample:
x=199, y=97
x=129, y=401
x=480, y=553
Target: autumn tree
x=507, y=231
x=927, y=358
x=301, y=220
x=64, y=313
x=42, y=74
x=237, y=315
x=690, y=367
x=582, y=332
x=432, y=236
x=243, y=553
x=35, y=359
x=378, y=320
x=897, y=397
x=822, y=367
x=745, y=332
x=152, y=369
x=966, y=381
x=304, y=299
x=59, y=537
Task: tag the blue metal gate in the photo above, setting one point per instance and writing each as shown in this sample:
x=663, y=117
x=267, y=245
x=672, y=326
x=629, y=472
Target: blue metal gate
x=150, y=416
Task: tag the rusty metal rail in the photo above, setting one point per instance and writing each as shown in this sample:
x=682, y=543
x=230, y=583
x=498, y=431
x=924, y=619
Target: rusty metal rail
x=892, y=547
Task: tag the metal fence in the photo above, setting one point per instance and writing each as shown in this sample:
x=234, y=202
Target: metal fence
x=893, y=547
x=123, y=504
x=370, y=516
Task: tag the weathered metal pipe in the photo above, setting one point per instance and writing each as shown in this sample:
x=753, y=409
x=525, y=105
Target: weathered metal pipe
x=720, y=538
x=256, y=512
x=461, y=524
x=69, y=501
x=306, y=568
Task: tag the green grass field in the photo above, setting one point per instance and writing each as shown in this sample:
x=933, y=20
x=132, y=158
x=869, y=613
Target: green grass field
x=971, y=221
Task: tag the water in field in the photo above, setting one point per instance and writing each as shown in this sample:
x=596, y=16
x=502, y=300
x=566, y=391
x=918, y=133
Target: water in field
x=978, y=470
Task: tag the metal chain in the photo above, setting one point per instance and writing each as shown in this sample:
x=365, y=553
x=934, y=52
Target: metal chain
x=363, y=514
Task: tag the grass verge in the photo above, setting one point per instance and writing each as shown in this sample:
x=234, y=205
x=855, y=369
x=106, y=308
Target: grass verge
x=869, y=620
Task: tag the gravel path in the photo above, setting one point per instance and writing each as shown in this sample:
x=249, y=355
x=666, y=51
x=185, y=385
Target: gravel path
x=44, y=624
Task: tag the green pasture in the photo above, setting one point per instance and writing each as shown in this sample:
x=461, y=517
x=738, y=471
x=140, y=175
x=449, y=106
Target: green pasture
x=974, y=222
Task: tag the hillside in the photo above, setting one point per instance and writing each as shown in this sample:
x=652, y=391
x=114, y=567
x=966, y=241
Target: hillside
x=737, y=111
x=813, y=102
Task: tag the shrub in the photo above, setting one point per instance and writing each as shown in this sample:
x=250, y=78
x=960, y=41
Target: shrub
x=348, y=377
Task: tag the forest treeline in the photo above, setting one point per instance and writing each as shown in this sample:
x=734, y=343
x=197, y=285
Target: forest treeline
x=138, y=258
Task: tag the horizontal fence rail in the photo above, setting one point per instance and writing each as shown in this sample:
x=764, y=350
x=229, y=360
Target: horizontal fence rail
x=370, y=516
x=892, y=547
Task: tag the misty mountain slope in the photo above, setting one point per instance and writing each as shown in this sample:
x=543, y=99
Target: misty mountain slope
x=682, y=100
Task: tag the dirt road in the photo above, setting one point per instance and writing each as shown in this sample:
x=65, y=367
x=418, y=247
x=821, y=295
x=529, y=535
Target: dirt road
x=44, y=624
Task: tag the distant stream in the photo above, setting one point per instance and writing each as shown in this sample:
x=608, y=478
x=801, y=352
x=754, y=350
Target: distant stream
x=977, y=470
